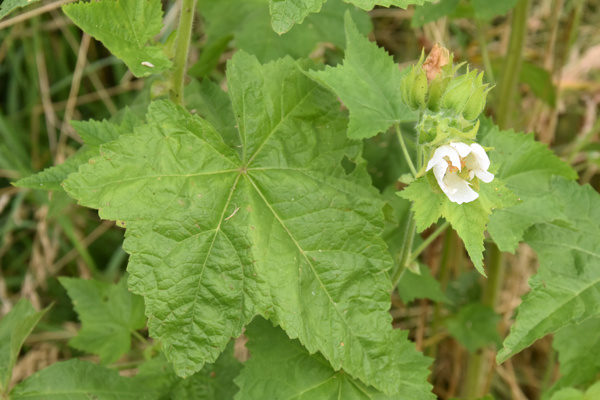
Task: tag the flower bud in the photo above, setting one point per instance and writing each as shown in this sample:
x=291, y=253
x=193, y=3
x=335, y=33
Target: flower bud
x=413, y=87
x=466, y=95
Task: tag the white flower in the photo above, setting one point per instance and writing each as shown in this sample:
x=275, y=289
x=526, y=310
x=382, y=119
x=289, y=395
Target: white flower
x=450, y=159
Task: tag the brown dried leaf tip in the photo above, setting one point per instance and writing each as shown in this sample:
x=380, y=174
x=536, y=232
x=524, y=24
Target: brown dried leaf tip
x=437, y=58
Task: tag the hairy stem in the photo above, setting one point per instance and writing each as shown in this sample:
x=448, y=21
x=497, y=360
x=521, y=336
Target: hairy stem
x=476, y=373
x=512, y=64
x=485, y=55
x=448, y=251
x=182, y=46
x=428, y=241
x=405, y=150
x=406, y=249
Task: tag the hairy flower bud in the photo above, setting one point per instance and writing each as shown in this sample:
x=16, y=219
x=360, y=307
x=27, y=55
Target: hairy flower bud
x=430, y=86
x=466, y=95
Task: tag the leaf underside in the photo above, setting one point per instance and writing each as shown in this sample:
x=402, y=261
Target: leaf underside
x=269, y=225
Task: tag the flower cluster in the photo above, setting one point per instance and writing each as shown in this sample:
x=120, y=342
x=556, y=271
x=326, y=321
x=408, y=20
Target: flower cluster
x=455, y=165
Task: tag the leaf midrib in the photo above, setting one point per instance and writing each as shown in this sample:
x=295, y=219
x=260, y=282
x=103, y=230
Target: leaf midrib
x=217, y=230
x=284, y=117
x=323, y=288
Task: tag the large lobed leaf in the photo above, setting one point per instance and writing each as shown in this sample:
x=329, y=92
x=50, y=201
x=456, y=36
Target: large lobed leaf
x=527, y=167
x=124, y=27
x=566, y=289
x=269, y=225
x=108, y=315
x=368, y=83
x=283, y=369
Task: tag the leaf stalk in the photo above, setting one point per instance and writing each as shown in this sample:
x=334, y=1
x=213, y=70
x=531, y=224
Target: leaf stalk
x=406, y=249
x=428, y=241
x=512, y=64
x=405, y=150
x=182, y=46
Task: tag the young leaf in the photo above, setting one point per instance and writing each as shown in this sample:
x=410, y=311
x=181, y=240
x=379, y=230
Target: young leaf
x=368, y=83
x=486, y=9
x=370, y=4
x=249, y=23
x=108, y=314
x=468, y=219
x=52, y=177
x=124, y=27
x=527, y=167
x=430, y=12
x=540, y=81
x=14, y=329
x=79, y=380
x=578, y=348
x=9, y=6
x=286, y=13
x=267, y=374
x=93, y=133
x=282, y=230
x=592, y=393
x=213, y=382
x=566, y=289
x=420, y=286
x=475, y=326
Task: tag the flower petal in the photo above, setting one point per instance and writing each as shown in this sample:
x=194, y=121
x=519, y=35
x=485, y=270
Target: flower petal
x=439, y=170
x=440, y=153
x=461, y=191
x=462, y=148
x=484, y=176
x=481, y=156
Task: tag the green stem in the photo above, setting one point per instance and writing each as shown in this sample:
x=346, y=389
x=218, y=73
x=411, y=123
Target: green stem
x=485, y=55
x=477, y=371
x=549, y=369
x=405, y=150
x=444, y=276
x=406, y=248
x=494, y=281
x=428, y=241
x=182, y=46
x=583, y=141
x=512, y=64
x=139, y=337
